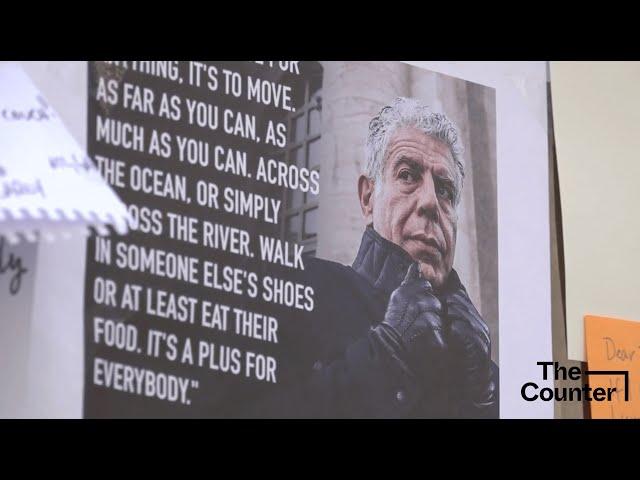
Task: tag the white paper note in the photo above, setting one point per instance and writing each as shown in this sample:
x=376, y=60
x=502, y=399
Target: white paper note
x=47, y=183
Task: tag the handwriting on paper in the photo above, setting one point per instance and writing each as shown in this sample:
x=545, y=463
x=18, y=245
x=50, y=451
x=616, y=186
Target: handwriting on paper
x=11, y=264
x=20, y=188
x=617, y=352
x=72, y=162
x=611, y=346
x=39, y=113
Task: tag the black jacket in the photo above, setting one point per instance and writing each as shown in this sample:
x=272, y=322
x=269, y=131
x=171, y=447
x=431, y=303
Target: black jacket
x=330, y=365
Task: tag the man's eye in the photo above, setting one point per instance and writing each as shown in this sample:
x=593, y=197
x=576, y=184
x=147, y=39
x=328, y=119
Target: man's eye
x=445, y=192
x=407, y=176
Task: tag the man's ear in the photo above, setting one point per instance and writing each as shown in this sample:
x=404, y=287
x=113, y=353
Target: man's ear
x=365, y=192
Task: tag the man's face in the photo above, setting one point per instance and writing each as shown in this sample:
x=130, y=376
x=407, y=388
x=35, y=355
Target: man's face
x=413, y=206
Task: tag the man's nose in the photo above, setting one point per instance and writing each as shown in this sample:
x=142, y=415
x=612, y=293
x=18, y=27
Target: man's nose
x=427, y=198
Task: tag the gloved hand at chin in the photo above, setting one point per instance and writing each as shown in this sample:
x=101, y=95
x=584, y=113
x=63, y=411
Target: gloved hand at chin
x=443, y=341
x=413, y=330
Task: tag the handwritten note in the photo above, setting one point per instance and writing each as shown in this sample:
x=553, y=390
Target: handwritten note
x=47, y=182
x=613, y=346
x=11, y=264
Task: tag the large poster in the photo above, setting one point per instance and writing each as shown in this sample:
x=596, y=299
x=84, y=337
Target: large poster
x=308, y=239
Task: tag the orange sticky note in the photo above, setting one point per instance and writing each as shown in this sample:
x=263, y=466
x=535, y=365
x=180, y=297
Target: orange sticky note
x=613, y=349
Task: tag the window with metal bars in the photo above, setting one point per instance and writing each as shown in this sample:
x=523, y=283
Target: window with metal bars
x=300, y=212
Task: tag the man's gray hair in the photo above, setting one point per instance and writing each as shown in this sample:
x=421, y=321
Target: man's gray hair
x=409, y=112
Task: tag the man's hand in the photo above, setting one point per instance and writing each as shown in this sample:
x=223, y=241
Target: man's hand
x=413, y=328
x=470, y=346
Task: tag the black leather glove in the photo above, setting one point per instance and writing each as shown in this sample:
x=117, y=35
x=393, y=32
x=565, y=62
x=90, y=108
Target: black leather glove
x=470, y=350
x=413, y=330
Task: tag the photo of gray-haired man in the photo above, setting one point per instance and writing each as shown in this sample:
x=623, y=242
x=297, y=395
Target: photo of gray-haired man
x=395, y=334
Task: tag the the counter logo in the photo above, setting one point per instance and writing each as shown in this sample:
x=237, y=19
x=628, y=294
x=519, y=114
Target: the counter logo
x=531, y=391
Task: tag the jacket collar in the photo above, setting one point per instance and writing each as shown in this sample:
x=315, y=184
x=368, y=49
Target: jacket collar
x=384, y=264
